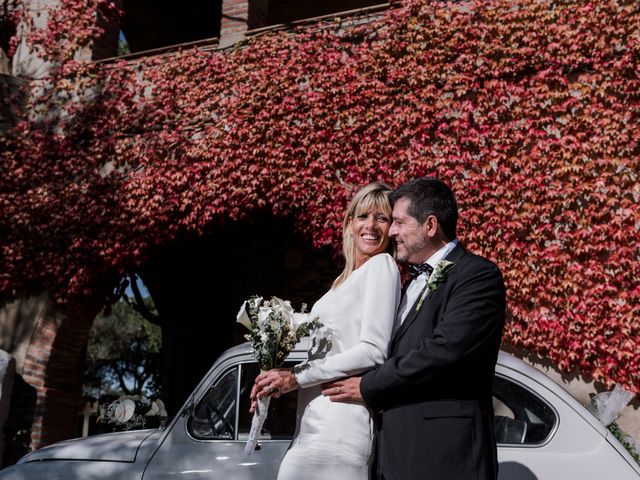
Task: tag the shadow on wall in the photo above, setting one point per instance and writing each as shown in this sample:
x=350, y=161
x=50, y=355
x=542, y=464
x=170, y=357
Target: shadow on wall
x=17, y=321
x=515, y=471
x=566, y=379
x=17, y=429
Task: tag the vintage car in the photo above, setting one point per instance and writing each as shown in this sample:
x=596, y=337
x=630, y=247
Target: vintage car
x=543, y=434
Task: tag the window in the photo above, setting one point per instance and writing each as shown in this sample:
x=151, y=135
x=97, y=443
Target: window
x=281, y=418
x=215, y=416
x=263, y=13
x=521, y=417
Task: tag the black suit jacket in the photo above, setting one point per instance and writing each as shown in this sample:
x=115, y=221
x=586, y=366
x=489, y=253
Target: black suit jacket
x=434, y=393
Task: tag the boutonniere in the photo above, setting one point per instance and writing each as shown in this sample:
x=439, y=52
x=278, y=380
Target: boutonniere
x=438, y=276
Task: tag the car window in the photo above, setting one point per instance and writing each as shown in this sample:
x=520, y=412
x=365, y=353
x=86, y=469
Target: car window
x=521, y=416
x=281, y=417
x=215, y=415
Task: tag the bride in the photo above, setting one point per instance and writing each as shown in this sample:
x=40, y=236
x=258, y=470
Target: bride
x=334, y=440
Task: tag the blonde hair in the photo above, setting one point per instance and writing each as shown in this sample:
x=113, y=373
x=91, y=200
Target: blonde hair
x=373, y=197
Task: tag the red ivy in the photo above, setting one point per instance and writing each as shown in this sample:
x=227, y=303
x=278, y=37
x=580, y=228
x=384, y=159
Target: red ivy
x=529, y=109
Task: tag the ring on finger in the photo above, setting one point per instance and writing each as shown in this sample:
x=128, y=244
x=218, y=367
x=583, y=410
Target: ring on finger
x=340, y=389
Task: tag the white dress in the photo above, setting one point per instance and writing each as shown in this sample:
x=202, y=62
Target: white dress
x=334, y=440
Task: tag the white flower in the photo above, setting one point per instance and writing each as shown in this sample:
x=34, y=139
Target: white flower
x=124, y=410
x=243, y=316
x=263, y=316
x=157, y=408
x=438, y=276
x=282, y=306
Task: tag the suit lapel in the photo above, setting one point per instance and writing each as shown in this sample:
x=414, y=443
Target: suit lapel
x=454, y=256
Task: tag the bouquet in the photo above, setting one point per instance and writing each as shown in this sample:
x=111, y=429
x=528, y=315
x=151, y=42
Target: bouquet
x=274, y=329
x=132, y=412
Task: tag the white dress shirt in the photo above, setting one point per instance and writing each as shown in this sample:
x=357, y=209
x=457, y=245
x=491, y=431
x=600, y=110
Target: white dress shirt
x=416, y=285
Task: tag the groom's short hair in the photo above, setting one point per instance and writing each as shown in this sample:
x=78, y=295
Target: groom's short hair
x=430, y=196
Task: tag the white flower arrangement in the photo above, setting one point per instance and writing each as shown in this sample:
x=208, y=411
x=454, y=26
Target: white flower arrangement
x=274, y=329
x=131, y=412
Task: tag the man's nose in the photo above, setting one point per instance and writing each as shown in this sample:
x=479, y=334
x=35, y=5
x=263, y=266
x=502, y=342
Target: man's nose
x=393, y=231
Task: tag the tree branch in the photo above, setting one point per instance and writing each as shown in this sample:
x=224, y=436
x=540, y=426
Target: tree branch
x=139, y=305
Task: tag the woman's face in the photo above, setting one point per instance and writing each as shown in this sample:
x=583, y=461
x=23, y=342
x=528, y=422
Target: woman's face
x=370, y=232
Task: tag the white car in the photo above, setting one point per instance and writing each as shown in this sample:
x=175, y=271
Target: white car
x=543, y=434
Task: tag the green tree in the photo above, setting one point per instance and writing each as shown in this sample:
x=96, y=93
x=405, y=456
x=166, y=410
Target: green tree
x=123, y=353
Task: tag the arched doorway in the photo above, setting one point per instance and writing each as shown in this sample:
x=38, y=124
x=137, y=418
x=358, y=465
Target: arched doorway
x=198, y=285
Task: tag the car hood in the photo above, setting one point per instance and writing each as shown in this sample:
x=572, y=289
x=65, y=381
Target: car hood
x=114, y=447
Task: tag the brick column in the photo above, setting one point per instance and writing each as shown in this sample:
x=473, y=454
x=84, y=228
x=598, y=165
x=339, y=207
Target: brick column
x=53, y=366
x=235, y=14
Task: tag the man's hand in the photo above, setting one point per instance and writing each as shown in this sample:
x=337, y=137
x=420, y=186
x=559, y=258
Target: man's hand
x=343, y=390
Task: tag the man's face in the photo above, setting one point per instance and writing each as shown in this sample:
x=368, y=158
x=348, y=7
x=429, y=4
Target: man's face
x=410, y=237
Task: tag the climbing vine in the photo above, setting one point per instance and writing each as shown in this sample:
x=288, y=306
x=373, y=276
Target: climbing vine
x=529, y=109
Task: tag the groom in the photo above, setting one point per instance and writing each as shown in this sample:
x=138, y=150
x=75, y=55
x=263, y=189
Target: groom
x=433, y=394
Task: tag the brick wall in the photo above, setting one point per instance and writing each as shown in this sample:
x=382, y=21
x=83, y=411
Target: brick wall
x=234, y=23
x=53, y=366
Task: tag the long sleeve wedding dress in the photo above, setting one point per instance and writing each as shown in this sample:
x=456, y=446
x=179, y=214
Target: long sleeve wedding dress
x=334, y=440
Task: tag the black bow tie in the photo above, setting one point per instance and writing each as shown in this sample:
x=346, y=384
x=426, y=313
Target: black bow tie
x=415, y=270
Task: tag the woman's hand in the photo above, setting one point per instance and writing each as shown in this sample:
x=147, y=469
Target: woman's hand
x=272, y=383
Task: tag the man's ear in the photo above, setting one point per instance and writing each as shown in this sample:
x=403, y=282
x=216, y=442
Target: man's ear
x=430, y=226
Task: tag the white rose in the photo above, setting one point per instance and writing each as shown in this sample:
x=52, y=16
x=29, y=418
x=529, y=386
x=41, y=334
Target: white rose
x=263, y=316
x=274, y=324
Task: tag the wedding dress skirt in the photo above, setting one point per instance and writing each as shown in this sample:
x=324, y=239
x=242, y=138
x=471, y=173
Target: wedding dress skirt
x=335, y=440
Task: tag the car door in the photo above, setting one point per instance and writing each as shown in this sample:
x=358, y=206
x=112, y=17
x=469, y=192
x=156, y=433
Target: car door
x=208, y=441
x=544, y=434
